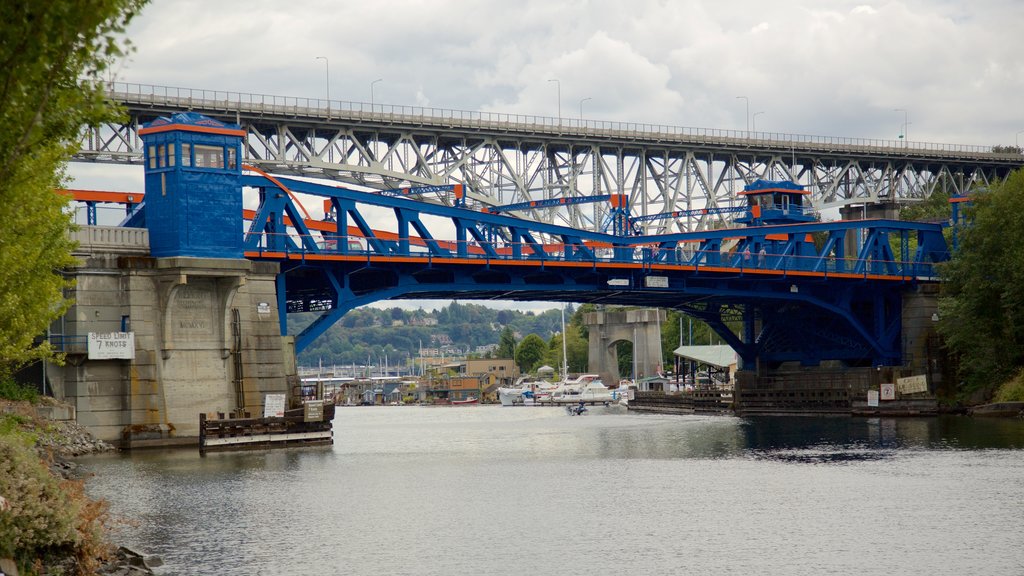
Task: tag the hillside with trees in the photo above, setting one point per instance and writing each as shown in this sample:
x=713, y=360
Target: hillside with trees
x=369, y=335
x=455, y=330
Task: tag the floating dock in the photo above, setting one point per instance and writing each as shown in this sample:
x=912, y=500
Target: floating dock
x=297, y=427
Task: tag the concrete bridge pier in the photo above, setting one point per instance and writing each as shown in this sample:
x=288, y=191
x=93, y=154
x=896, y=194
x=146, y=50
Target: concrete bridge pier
x=609, y=327
x=203, y=334
x=835, y=386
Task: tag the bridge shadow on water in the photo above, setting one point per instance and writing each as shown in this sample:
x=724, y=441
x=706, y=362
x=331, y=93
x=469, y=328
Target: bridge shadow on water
x=844, y=439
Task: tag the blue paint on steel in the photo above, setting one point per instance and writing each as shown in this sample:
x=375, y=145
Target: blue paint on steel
x=792, y=286
x=850, y=307
x=193, y=196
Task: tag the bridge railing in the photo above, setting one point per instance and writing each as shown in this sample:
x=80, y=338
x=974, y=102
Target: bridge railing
x=229, y=101
x=646, y=257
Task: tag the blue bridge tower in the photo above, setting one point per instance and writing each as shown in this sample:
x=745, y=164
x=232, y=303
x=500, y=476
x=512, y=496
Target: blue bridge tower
x=193, y=194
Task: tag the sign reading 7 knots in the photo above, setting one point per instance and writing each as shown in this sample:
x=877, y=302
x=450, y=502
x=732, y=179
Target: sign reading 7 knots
x=111, y=345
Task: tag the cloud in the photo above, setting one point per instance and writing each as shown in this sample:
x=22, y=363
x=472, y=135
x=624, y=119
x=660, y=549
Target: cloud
x=836, y=68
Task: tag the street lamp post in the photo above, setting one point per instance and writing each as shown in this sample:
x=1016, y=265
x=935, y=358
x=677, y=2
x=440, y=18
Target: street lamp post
x=327, y=73
x=558, y=84
x=753, y=120
x=581, y=107
x=1016, y=139
x=747, y=100
x=906, y=125
x=371, y=91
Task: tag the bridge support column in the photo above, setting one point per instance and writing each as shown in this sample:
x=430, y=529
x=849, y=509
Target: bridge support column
x=608, y=328
x=205, y=337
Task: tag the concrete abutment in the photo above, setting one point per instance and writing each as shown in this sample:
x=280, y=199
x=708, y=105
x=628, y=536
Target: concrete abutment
x=206, y=339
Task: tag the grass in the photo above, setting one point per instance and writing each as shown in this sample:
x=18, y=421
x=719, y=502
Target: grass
x=11, y=390
x=1012, y=390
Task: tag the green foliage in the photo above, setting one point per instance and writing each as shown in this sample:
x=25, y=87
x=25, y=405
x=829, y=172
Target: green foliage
x=624, y=352
x=1012, y=390
x=49, y=519
x=575, y=347
x=935, y=207
x=11, y=390
x=53, y=55
x=530, y=353
x=982, y=307
x=41, y=519
x=506, y=343
x=13, y=426
x=1007, y=149
x=371, y=331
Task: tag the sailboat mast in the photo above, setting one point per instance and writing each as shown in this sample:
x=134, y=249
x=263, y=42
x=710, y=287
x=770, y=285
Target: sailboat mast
x=565, y=356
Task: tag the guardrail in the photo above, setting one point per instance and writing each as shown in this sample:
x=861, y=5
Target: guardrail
x=192, y=98
x=646, y=257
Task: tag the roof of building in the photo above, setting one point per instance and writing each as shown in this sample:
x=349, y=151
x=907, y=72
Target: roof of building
x=721, y=356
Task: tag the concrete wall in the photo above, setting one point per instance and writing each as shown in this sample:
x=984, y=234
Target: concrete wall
x=608, y=327
x=921, y=353
x=191, y=354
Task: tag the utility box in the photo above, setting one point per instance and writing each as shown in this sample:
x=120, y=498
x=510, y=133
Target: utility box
x=193, y=187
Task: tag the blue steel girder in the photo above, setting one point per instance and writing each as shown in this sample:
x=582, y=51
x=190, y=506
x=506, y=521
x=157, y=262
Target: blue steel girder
x=474, y=224
x=566, y=264
x=870, y=332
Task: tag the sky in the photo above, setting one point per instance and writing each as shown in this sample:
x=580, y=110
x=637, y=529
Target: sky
x=954, y=69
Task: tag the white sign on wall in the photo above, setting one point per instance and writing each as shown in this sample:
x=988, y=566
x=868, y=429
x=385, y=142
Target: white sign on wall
x=912, y=384
x=656, y=281
x=873, y=398
x=263, y=308
x=273, y=406
x=111, y=345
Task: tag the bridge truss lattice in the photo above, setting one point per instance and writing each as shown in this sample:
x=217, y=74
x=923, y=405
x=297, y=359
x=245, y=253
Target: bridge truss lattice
x=508, y=158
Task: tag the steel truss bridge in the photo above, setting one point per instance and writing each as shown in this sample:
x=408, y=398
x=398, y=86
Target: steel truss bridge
x=504, y=159
x=841, y=281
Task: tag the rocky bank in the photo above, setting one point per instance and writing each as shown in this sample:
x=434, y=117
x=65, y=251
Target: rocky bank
x=58, y=442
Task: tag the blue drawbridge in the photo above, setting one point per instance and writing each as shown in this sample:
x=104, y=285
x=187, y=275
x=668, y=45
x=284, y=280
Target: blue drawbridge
x=782, y=288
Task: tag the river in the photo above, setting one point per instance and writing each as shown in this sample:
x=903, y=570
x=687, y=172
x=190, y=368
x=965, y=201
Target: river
x=474, y=490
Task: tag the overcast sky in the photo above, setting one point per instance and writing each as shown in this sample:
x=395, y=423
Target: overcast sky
x=823, y=67
x=827, y=67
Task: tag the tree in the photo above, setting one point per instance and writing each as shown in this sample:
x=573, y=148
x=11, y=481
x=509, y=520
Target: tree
x=575, y=347
x=982, y=308
x=53, y=54
x=530, y=352
x=506, y=344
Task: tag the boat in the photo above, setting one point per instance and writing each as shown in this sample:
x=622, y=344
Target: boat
x=524, y=391
x=470, y=400
x=586, y=388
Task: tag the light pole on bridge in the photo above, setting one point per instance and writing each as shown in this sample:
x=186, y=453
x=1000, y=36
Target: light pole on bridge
x=1016, y=139
x=906, y=125
x=558, y=84
x=371, y=91
x=753, y=120
x=327, y=73
x=747, y=100
x=581, y=107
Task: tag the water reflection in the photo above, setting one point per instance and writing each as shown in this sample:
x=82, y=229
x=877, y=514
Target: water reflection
x=402, y=488
x=766, y=433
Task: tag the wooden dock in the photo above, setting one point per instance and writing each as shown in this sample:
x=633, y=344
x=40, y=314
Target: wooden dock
x=293, y=429
x=692, y=402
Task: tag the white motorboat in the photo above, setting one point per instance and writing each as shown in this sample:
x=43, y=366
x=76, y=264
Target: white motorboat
x=586, y=388
x=524, y=391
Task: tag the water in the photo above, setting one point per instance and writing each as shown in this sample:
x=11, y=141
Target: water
x=511, y=491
